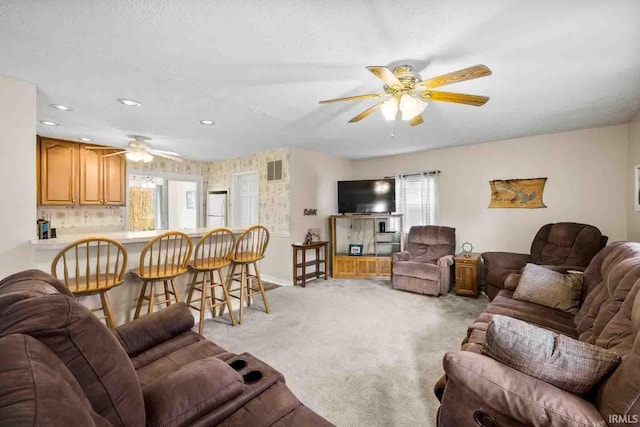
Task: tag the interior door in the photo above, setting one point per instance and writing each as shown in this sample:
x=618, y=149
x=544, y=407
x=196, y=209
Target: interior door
x=246, y=199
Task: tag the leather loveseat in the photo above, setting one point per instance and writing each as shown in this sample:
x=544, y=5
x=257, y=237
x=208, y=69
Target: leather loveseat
x=60, y=366
x=561, y=246
x=478, y=390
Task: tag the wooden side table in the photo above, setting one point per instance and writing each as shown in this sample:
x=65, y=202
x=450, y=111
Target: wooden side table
x=467, y=274
x=300, y=275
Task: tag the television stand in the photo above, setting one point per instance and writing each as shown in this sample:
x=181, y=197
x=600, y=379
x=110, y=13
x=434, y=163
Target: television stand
x=377, y=248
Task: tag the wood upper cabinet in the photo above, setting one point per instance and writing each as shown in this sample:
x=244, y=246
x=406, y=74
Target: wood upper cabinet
x=91, y=173
x=72, y=173
x=58, y=172
x=113, y=179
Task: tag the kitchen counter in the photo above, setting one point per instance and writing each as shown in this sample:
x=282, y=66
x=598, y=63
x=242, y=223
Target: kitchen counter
x=123, y=237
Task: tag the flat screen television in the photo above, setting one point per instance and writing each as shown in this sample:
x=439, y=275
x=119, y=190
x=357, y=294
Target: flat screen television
x=367, y=196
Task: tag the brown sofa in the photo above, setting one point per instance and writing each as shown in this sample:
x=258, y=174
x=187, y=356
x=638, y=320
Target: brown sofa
x=478, y=390
x=425, y=267
x=60, y=366
x=561, y=246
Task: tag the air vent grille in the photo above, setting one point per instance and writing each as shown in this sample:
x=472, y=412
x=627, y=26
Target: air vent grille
x=274, y=171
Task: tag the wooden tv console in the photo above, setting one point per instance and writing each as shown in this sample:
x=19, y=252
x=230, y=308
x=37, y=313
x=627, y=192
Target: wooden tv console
x=377, y=246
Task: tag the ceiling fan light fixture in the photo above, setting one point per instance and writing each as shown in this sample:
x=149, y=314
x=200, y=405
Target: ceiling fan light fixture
x=389, y=108
x=146, y=157
x=410, y=107
x=134, y=156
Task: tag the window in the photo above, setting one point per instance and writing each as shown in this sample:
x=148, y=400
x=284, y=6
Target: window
x=417, y=199
x=164, y=202
x=245, y=199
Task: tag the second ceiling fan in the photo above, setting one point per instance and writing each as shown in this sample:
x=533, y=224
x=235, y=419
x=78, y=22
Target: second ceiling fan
x=406, y=92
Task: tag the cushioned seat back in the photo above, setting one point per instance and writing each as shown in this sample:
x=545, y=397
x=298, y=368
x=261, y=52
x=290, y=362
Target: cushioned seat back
x=566, y=243
x=608, y=282
x=36, y=389
x=431, y=242
x=87, y=348
x=619, y=395
x=28, y=284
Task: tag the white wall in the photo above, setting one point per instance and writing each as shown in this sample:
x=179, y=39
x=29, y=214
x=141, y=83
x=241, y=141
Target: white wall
x=633, y=216
x=179, y=215
x=17, y=175
x=587, y=182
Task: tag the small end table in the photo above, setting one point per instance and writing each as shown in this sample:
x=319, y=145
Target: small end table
x=467, y=274
x=301, y=277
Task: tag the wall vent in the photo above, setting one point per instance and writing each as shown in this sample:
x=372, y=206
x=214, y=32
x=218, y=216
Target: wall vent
x=274, y=171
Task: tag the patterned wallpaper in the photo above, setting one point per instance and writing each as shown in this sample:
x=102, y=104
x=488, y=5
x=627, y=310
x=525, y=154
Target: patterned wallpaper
x=274, y=197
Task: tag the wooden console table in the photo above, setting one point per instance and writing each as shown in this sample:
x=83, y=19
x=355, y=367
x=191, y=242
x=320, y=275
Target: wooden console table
x=301, y=277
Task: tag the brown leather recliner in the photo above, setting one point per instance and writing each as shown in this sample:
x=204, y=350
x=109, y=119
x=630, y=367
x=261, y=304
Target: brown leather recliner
x=425, y=267
x=61, y=366
x=561, y=246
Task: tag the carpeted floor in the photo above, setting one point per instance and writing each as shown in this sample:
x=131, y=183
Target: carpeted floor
x=356, y=351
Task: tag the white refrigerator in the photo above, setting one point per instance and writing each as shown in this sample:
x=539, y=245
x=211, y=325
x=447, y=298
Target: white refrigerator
x=216, y=209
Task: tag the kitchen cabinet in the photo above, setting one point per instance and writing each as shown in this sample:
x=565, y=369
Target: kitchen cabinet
x=73, y=174
x=58, y=172
x=114, y=174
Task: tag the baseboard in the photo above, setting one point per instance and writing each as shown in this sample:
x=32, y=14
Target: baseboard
x=276, y=281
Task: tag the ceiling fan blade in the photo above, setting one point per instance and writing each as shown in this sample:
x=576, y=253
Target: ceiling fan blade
x=115, y=154
x=365, y=113
x=470, y=73
x=386, y=75
x=417, y=120
x=166, y=156
x=170, y=153
x=458, y=98
x=353, y=98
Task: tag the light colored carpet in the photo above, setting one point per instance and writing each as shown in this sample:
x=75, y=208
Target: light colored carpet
x=356, y=351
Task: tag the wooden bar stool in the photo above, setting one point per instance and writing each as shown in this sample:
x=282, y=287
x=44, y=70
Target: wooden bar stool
x=162, y=260
x=249, y=249
x=93, y=266
x=212, y=254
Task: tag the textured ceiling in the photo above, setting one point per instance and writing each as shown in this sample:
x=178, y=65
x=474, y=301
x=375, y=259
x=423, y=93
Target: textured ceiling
x=259, y=69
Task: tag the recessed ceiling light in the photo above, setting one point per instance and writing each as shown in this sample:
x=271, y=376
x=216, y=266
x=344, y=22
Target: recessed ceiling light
x=207, y=122
x=61, y=107
x=86, y=139
x=129, y=102
x=49, y=123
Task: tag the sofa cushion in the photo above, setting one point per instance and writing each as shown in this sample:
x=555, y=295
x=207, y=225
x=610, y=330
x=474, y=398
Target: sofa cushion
x=542, y=286
x=566, y=243
x=420, y=270
x=183, y=396
x=37, y=389
x=178, y=358
x=87, y=348
x=567, y=363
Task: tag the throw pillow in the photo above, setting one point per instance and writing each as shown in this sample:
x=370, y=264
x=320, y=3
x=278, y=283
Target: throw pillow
x=550, y=288
x=567, y=363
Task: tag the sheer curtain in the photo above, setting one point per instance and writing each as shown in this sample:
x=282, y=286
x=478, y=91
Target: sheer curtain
x=418, y=198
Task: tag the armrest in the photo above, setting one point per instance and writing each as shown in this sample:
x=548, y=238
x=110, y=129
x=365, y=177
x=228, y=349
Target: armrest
x=520, y=397
x=155, y=328
x=183, y=396
x=498, y=265
x=401, y=256
x=445, y=263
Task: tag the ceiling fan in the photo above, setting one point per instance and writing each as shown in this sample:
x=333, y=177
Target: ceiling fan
x=140, y=151
x=406, y=92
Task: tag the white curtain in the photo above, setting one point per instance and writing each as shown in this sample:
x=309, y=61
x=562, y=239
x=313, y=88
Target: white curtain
x=417, y=197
